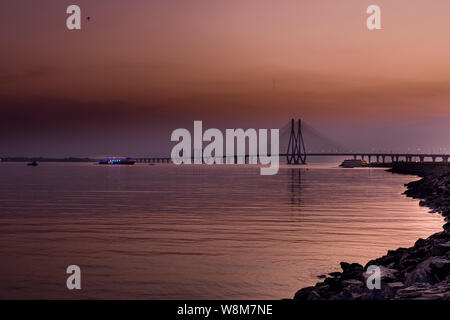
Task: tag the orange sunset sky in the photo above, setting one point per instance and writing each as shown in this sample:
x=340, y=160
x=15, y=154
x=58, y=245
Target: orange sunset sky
x=140, y=69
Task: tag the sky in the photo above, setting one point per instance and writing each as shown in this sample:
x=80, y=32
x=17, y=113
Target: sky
x=139, y=69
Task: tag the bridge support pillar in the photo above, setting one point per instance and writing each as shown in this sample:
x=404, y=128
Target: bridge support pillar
x=445, y=159
x=296, y=152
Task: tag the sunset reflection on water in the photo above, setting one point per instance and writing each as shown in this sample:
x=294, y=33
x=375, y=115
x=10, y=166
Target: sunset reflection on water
x=195, y=232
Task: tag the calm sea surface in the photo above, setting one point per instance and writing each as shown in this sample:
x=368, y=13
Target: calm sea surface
x=195, y=232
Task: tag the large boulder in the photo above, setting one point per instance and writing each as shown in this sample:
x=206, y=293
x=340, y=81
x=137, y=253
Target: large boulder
x=432, y=270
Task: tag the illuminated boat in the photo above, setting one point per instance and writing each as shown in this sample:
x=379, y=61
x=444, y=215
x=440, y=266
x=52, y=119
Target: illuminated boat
x=114, y=161
x=354, y=163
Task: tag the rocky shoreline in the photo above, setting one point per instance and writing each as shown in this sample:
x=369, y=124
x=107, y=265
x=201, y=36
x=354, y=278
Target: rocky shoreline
x=418, y=272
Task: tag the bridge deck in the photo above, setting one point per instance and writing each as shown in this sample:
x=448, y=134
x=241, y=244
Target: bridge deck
x=380, y=157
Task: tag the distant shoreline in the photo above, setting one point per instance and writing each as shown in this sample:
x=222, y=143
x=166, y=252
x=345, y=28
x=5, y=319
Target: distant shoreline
x=419, y=272
x=42, y=159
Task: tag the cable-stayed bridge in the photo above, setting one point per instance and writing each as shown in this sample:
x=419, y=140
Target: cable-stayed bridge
x=299, y=140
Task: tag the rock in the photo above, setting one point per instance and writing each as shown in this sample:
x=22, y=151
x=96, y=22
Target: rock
x=386, y=275
x=352, y=282
x=446, y=226
x=351, y=271
x=420, y=253
x=395, y=285
x=303, y=294
x=334, y=284
x=436, y=251
x=413, y=291
x=425, y=272
x=346, y=267
x=425, y=291
x=441, y=248
x=335, y=274
x=420, y=243
x=440, y=268
x=385, y=293
x=314, y=296
x=419, y=272
x=356, y=295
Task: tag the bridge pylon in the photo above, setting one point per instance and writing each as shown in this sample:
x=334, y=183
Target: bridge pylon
x=296, y=152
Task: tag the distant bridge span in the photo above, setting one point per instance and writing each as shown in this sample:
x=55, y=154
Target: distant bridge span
x=394, y=157
x=296, y=152
x=378, y=157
